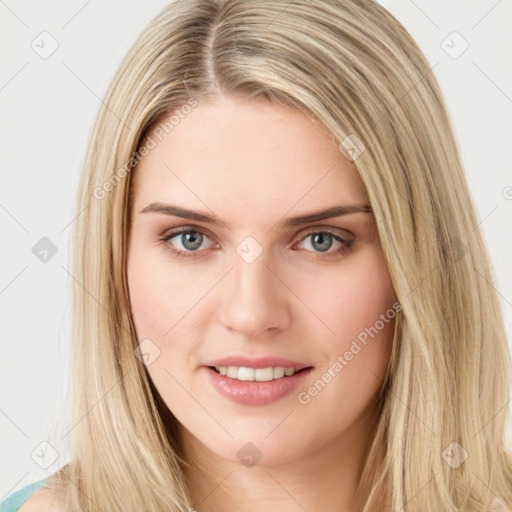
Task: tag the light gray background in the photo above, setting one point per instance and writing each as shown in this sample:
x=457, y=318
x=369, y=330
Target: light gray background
x=48, y=106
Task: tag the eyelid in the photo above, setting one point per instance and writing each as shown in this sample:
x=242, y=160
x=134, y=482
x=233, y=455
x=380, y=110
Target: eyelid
x=329, y=229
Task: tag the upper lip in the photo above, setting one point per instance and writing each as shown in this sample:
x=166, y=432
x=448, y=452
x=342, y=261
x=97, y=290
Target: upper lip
x=257, y=362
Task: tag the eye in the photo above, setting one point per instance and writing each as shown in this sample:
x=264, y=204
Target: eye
x=323, y=240
x=190, y=241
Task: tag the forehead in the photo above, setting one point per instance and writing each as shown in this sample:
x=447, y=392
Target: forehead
x=235, y=151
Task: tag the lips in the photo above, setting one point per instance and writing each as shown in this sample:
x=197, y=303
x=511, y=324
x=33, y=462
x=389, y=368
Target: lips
x=238, y=378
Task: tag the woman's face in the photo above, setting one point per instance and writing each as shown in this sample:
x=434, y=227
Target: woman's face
x=255, y=291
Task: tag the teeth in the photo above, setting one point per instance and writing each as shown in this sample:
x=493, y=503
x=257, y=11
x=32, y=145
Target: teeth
x=254, y=374
x=279, y=372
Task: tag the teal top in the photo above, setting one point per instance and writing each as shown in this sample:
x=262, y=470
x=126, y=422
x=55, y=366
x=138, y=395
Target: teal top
x=13, y=502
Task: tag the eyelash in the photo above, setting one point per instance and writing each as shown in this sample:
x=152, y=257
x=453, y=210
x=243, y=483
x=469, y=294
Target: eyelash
x=345, y=247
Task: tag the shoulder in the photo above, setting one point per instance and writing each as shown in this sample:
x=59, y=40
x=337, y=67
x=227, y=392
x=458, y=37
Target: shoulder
x=15, y=500
x=44, y=500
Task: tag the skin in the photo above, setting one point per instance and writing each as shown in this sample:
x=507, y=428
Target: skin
x=253, y=164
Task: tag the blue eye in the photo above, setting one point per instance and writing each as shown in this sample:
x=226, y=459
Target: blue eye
x=191, y=240
x=322, y=241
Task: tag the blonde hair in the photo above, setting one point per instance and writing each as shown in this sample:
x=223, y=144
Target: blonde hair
x=354, y=69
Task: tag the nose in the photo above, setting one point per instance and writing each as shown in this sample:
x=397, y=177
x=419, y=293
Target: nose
x=255, y=302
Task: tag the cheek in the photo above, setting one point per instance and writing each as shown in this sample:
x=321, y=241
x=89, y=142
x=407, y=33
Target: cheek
x=161, y=293
x=360, y=311
x=158, y=297
x=145, y=297
x=161, y=301
x=352, y=298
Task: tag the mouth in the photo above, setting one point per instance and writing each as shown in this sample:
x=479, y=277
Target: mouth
x=244, y=373
x=251, y=386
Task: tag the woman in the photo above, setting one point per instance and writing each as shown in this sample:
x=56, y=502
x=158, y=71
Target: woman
x=282, y=298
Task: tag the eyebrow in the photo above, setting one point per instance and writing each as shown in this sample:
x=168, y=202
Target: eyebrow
x=179, y=211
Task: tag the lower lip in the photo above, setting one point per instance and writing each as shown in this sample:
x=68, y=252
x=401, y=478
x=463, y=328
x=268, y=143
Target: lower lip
x=255, y=392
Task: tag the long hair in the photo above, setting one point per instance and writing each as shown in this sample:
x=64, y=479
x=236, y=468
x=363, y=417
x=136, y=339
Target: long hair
x=353, y=69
